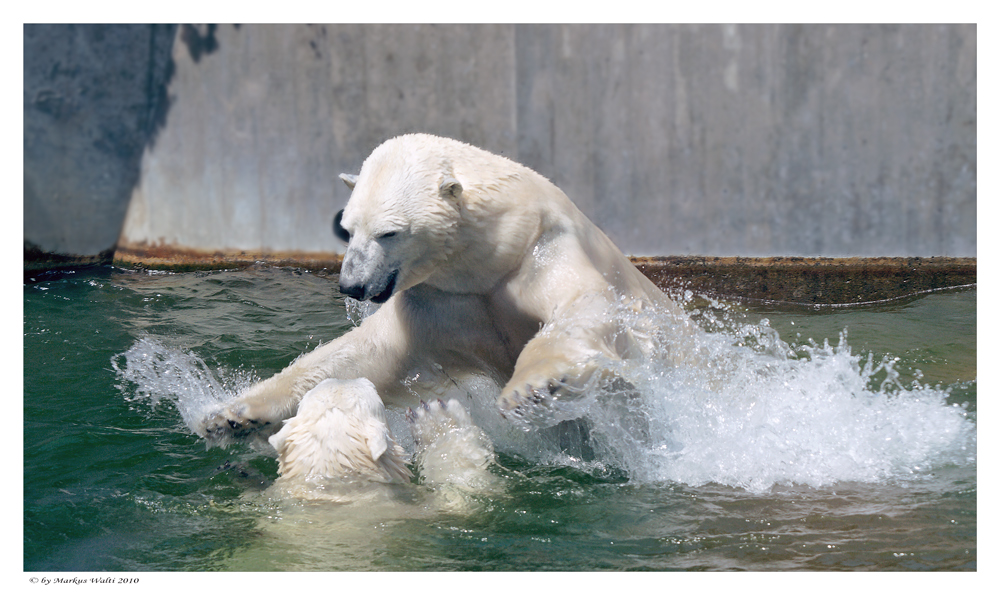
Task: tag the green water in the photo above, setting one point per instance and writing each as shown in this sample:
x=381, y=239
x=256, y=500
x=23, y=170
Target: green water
x=115, y=481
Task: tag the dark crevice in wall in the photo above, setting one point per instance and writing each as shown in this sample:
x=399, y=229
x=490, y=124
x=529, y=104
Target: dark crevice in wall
x=199, y=45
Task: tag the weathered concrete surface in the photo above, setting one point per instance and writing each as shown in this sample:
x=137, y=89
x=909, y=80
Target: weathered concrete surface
x=756, y=140
x=712, y=140
x=812, y=140
x=93, y=98
x=172, y=258
x=260, y=129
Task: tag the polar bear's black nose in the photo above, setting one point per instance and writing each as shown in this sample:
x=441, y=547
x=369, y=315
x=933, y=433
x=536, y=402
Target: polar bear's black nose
x=378, y=293
x=354, y=290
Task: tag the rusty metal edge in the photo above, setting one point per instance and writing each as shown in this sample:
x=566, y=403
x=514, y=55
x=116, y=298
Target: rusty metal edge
x=810, y=281
x=779, y=280
x=181, y=259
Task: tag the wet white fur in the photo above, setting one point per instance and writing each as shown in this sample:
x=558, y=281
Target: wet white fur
x=498, y=275
x=340, y=433
x=339, y=447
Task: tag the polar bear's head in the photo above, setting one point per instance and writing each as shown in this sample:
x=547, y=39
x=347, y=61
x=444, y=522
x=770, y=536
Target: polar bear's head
x=340, y=431
x=401, y=222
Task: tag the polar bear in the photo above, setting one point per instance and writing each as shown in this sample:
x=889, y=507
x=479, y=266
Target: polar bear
x=481, y=266
x=340, y=433
x=339, y=447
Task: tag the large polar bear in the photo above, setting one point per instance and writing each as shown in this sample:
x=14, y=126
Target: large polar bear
x=481, y=266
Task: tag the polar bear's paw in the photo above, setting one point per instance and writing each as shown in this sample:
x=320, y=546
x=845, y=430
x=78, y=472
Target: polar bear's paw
x=543, y=398
x=450, y=448
x=231, y=422
x=431, y=421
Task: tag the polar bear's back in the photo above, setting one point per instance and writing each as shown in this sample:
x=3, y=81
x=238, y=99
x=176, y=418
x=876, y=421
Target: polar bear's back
x=478, y=169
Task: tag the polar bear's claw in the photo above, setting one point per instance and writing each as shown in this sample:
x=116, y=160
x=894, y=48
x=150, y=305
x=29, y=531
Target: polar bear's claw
x=544, y=391
x=450, y=448
x=225, y=424
x=432, y=420
x=546, y=402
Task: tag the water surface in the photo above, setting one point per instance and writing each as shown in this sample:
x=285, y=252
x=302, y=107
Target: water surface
x=818, y=450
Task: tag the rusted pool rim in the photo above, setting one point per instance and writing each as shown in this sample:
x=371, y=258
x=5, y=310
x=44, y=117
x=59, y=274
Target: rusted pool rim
x=810, y=281
x=778, y=280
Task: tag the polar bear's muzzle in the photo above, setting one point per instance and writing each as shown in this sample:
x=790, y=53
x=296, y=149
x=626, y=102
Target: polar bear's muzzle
x=378, y=289
x=367, y=271
x=386, y=293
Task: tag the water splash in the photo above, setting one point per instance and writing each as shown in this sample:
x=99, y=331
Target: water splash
x=357, y=310
x=755, y=412
x=152, y=372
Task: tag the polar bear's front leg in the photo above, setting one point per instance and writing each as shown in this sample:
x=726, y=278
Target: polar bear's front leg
x=569, y=357
x=560, y=286
x=264, y=404
x=554, y=369
x=373, y=351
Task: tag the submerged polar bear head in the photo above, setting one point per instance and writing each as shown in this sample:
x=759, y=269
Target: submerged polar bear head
x=435, y=210
x=400, y=222
x=340, y=431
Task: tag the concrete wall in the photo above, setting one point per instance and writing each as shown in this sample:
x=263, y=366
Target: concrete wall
x=759, y=140
x=713, y=140
x=260, y=129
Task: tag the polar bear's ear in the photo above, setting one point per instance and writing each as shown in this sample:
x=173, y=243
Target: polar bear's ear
x=451, y=188
x=376, y=439
x=349, y=179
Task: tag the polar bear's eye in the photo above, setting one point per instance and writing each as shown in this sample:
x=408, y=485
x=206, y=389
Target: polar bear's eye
x=387, y=235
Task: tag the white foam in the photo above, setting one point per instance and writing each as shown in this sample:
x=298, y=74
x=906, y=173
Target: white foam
x=758, y=413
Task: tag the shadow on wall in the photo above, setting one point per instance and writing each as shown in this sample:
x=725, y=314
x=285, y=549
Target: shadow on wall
x=95, y=96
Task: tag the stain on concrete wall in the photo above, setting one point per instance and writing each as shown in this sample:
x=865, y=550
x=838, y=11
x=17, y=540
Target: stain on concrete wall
x=261, y=128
